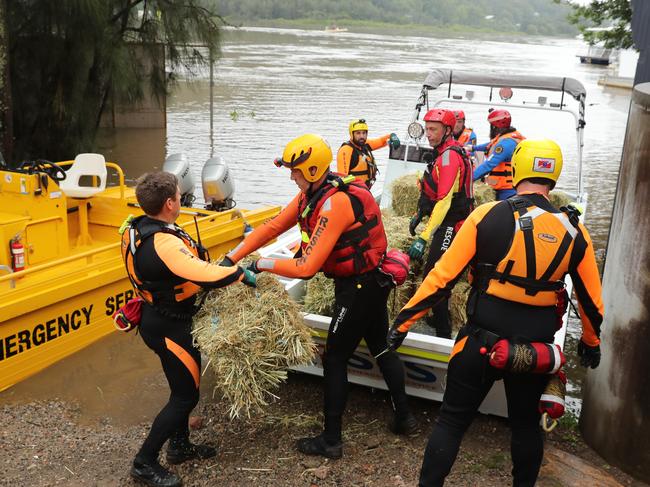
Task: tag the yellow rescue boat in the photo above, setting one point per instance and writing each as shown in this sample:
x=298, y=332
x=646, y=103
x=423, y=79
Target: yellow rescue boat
x=65, y=238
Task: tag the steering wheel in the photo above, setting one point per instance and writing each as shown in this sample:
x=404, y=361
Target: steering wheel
x=41, y=165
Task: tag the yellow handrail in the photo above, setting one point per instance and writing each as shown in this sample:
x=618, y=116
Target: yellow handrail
x=112, y=165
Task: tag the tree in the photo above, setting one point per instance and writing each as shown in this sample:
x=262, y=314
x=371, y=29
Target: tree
x=6, y=131
x=69, y=57
x=616, y=15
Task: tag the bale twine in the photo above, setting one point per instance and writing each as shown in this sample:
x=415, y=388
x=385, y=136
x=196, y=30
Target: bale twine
x=405, y=195
x=250, y=337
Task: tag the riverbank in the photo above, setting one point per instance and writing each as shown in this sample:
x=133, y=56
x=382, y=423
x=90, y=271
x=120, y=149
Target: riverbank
x=52, y=442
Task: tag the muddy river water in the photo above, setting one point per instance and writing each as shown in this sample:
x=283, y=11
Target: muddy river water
x=272, y=85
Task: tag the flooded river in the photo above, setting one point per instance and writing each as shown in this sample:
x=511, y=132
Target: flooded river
x=272, y=85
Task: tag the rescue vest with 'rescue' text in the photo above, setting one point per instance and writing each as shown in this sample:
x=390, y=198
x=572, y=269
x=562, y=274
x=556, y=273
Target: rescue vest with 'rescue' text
x=362, y=246
x=362, y=163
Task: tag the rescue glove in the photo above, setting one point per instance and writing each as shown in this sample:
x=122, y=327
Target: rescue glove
x=249, y=278
x=253, y=267
x=395, y=338
x=394, y=142
x=417, y=248
x=226, y=262
x=415, y=221
x=589, y=356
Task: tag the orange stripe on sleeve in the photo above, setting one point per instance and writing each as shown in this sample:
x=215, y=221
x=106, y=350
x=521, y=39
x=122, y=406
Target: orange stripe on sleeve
x=379, y=142
x=186, y=358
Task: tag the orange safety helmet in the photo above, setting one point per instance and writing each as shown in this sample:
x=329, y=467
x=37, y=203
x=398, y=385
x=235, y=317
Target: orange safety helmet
x=445, y=117
x=310, y=153
x=500, y=119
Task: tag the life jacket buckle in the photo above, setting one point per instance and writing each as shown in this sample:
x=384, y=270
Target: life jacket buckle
x=525, y=223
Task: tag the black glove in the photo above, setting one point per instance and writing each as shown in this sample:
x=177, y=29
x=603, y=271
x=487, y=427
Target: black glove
x=253, y=267
x=589, y=356
x=395, y=338
x=249, y=278
x=415, y=221
x=226, y=262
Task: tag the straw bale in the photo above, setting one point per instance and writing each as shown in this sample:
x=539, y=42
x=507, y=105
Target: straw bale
x=405, y=195
x=250, y=337
x=457, y=302
x=483, y=193
x=319, y=297
x=559, y=198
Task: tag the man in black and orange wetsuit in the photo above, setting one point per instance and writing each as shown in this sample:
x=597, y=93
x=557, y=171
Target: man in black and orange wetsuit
x=342, y=236
x=167, y=269
x=446, y=196
x=519, y=252
x=355, y=156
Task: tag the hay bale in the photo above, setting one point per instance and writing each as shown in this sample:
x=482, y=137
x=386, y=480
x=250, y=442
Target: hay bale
x=559, y=198
x=457, y=304
x=250, y=337
x=483, y=193
x=319, y=297
x=397, y=230
x=405, y=195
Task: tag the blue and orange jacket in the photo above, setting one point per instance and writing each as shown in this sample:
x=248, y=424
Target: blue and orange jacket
x=497, y=164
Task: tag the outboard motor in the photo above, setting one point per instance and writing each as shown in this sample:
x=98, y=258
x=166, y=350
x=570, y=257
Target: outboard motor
x=218, y=185
x=178, y=165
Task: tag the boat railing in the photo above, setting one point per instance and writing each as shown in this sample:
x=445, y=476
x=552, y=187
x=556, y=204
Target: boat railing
x=12, y=281
x=112, y=165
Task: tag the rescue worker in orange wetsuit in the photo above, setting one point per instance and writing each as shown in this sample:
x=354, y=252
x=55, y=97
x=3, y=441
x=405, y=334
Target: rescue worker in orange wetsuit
x=167, y=269
x=464, y=135
x=446, y=194
x=355, y=156
x=519, y=252
x=342, y=236
x=496, y=167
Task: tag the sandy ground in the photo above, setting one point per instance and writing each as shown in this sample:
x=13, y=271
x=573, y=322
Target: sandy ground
x=51, y=441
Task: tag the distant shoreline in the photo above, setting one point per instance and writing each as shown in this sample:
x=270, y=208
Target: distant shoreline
x=374, y=27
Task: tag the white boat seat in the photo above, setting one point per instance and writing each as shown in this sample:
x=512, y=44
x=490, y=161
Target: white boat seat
x=84, y=165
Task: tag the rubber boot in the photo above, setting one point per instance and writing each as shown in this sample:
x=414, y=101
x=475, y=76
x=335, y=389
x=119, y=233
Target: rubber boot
x=153, y=474
x=319, y=446
x=181, y=450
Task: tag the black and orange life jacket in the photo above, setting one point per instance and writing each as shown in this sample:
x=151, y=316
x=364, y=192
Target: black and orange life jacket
x=534, y=266
x=360, y=248
x=464, y=137
x=362, y=163
x=164, y=293
x=500, y=177
x=462, y=201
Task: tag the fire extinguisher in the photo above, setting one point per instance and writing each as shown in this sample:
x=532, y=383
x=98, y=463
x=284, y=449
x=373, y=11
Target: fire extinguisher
x=17, y=254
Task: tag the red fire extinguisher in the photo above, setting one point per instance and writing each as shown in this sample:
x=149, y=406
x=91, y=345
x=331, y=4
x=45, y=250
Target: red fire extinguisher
x=17, y=254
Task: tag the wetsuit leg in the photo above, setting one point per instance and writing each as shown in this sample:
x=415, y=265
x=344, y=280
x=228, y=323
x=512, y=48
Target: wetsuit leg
x=181, y=363
x=469, y=379
x=527, y=443
x=440, y=242
x=376, y=329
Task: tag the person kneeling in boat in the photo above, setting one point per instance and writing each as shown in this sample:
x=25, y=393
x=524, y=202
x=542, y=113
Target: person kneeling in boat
x=168, y=268
x=446, y=196
x=342, y=236
x=497, y=168
x=519, y=252
x=355, y=156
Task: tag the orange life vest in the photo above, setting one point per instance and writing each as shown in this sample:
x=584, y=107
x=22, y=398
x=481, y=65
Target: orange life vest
x=534, y=266
x=463, y=138
x=362, y=163
x=501, y=176
x=362, y=246
x=157, y=293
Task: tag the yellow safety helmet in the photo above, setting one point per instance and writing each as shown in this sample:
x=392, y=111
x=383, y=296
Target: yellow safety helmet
x=310, y=153
x=536, y=159
x=359, y=124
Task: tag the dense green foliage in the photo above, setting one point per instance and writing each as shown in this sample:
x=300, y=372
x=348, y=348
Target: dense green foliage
x=68, y=58
x=527, y=16
x=615, y=14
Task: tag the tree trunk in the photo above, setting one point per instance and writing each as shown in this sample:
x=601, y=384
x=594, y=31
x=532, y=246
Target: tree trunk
x=6, y=116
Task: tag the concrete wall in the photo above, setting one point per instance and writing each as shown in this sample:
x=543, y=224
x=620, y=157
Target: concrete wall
x=615, y=417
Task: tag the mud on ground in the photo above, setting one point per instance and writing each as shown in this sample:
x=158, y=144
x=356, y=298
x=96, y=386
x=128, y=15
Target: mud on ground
x=55, y=442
